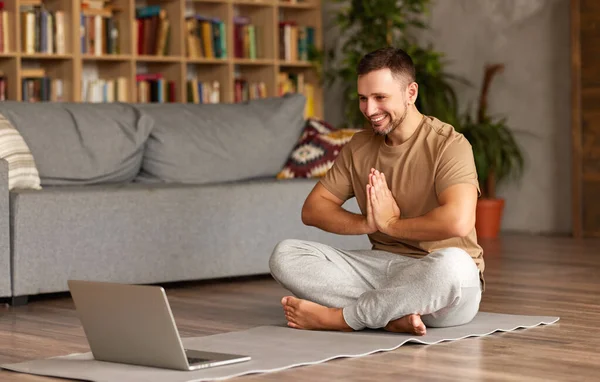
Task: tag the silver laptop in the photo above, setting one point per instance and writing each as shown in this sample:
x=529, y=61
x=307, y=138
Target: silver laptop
x=133, y=324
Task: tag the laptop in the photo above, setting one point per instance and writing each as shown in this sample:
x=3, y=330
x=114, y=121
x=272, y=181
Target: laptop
x=133, y=324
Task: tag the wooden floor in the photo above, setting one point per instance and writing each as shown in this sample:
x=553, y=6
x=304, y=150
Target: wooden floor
x=525, y=275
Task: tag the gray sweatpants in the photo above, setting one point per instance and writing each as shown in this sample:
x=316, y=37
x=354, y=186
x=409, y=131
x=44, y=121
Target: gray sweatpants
x=374, y=287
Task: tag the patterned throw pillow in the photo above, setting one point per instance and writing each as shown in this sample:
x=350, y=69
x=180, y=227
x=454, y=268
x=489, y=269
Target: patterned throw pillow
x=316, y=150
x=22, y=172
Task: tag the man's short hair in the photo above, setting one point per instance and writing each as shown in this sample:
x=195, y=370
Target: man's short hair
x=396, y=60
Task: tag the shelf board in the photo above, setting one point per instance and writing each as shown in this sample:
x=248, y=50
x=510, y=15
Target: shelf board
x=106, y=57
x=200, y=60
x=295, y=64
x=147, y=58
x=249, y=61
x=31, y=2
x=282, y=4
x=8, y=55
x=256, y=3
x=46, y=56
x=207, y=1
x=234, y=2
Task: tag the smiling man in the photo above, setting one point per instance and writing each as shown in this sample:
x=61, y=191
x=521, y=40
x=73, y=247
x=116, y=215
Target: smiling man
x=414, y=179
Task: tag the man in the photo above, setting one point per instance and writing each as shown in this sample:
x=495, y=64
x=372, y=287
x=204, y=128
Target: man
x=415, y=182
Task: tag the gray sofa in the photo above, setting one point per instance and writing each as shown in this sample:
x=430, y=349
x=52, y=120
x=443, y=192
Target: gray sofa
x=152, y=193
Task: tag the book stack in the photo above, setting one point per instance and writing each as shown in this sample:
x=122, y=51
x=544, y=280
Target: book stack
x=295, y=41
x=245, y=91
x=42, y=31
x=105, y=90
x=295, y=83
x=152, y=31
x=203, y=91
x=99, y=29
x=245, y=37
x=3, y=88
x=4, y=29
x=152, y=87
x=205, y=37
x=38, y=87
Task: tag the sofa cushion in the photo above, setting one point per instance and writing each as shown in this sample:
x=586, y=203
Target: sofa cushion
x=207, y=143
x=81, y=143
x=22, y=172
x=316, y=150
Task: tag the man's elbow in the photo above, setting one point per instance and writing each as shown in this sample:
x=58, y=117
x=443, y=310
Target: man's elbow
x=462, y=227
x=307, y=214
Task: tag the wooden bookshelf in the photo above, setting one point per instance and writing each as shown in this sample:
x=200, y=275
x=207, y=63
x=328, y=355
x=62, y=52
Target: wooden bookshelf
x=262, y=63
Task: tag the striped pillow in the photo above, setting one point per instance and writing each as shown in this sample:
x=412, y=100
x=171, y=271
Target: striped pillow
x=22, y=172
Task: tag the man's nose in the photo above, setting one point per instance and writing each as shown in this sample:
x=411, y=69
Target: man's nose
x=371, y=108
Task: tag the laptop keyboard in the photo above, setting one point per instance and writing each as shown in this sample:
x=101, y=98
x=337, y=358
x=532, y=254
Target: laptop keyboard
x=193, y=361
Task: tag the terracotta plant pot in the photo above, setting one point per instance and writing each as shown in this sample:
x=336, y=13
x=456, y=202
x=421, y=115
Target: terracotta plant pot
x=488, y=217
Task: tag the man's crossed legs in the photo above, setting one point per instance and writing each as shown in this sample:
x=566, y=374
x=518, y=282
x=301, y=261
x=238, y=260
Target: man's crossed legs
x=352, y=290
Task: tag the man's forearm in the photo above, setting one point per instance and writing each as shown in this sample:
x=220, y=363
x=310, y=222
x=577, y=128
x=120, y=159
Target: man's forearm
x=439, y=224
x=336, y=220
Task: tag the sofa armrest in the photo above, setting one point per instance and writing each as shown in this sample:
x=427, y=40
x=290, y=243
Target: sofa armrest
x=5, y=258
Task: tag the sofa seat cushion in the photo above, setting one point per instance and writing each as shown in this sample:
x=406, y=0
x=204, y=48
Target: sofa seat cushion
x=150, y=233
x=209, y=143
x=81, y=143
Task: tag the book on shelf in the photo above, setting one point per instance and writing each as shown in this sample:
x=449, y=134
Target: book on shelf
x=245, y=90
x=153, y=87
x=152, y=30
x=4, y=29
x=105, y=90
x=42, y=30
x=38, y=87
x=3, y=87
x=99, y=28
x=206, y=37
x=295, y=83
x=246, y=37
x=203, y=91
x=295, y=41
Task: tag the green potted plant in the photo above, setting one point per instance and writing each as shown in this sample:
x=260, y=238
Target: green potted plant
x=498, y=158
x=367, y=25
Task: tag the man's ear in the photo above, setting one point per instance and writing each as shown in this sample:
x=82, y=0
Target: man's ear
x=413, y=92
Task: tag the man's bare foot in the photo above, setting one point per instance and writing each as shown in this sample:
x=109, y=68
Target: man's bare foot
x=408, y=324
x=304, y=314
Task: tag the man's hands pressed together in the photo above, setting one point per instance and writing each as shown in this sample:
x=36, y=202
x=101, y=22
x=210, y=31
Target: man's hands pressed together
x=382, y=209
x=371, y=226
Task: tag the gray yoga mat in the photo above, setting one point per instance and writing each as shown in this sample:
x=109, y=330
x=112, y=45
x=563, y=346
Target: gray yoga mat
x=272, y=348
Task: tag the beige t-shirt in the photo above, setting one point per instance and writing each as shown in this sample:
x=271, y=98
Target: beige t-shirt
x=417, y=171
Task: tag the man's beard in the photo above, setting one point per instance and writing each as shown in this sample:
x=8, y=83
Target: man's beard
x=392, y=125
